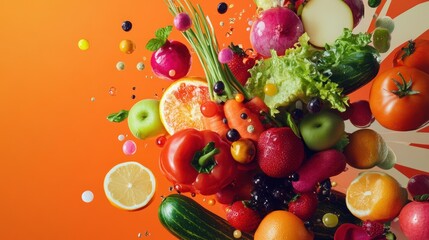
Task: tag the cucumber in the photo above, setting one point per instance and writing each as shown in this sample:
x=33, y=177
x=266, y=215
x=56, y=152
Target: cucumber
x=336, y=205
x=188, y=220
x=355, y=70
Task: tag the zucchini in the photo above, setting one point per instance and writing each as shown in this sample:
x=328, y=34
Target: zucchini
x=354, y=70
x=188, y=220
x=336, y=205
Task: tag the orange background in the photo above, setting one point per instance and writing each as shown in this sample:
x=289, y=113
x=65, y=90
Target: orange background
x=56, y=141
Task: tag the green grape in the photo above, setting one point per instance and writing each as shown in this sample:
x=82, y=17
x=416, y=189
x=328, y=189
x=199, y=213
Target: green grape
x=381, y=39
x=389, y=162
x=385, y=22
x=330, y=220
x=374, y=3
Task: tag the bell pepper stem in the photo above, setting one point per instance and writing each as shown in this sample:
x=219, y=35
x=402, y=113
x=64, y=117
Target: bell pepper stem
x=207, y=157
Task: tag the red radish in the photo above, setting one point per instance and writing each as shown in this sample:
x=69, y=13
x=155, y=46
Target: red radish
x=182, y=21
x=418, y=185
x=325, y=20
x=414, y=220
x=358, y=10
x=170, y=59
x=320, y=166
x=276, y=28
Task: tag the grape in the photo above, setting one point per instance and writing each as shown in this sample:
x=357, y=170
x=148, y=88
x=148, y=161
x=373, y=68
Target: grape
x=182, y=22
x=314, y=105
x=381, y=39
x=374, y=3
x=126, y=26
x=222, y=8
x=330, y=220
x=219, y=87
x=232, y=135
x=418, y=185
x=361, y=115
x=385, y=22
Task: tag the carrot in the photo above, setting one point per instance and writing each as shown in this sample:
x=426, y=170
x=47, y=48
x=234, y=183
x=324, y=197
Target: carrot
x=217, y=124
x=242, y=119
x=256, y=105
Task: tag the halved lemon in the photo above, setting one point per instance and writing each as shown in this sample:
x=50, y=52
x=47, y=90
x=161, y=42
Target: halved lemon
x=129, y=185
x=180, y=104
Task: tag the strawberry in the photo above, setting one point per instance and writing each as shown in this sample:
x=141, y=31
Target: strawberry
x=373, y=228
x=304, y=205
x=242, y=217
x=240, y=64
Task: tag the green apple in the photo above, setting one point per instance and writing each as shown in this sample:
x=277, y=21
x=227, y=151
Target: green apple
x=144, y=120
x=321, y=130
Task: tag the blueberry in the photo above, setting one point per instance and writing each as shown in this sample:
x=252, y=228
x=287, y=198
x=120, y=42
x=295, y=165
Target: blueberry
x=222, y=7
x=126, y=26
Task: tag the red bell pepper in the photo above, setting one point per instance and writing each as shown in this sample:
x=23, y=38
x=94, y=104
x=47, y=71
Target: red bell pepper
x=198, y=161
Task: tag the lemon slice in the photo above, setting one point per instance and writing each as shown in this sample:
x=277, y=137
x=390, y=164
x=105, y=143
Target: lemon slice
x=129, y=185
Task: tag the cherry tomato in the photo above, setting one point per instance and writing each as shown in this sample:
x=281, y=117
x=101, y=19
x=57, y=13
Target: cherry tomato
x=243, y=150
x=413, y=53
x=399, y=98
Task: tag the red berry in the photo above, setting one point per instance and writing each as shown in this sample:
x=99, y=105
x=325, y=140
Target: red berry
x=373, y=228
x=304, y=205
x=361, y=115
x=242, y=217
x=240, y=64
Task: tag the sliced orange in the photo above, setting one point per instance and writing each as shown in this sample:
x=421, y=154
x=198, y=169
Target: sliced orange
x=180, y=104
x=375, y=196
x=129, y=185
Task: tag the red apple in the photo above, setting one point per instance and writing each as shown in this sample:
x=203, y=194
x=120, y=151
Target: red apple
x=414, y=220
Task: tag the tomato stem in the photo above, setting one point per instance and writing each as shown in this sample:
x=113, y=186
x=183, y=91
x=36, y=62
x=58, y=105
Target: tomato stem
x=404, y=87
x=409, y=49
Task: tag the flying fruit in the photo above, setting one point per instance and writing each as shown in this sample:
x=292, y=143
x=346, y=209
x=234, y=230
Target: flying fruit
x=322, y=130
x=414, y=220
x=170, y=59
x=381, y=39
x=144, y=120
x=279, y=152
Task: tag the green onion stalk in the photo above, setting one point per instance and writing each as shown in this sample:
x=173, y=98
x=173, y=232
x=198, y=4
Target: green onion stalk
x=202, y=38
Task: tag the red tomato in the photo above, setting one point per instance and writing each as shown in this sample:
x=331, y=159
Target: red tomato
x=414, y=53
x=397, y=106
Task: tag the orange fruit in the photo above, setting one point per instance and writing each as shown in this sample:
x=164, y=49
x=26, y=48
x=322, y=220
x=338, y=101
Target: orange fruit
x=129, y=185
x=366, y=149
x=180, y=104
x=282, y=225
x=375, y=196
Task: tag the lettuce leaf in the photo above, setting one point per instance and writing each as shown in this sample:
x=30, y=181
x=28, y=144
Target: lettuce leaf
x=296, y=78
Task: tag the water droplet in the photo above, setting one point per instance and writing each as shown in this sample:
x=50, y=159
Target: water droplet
x=140, y=66
x=211, y=202
x=129, y=147
x=83, y=44
x=112, y=91
x=121, y=137
x=139, y=235
x=172, y=73
x=120, y=66
x=221, y=23
x=237, y=233
x=92, y=99
x=87, y=196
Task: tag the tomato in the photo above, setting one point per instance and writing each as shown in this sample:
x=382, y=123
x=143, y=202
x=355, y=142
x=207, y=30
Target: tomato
x=414, y=53
x=243, y=150
x=399, y=98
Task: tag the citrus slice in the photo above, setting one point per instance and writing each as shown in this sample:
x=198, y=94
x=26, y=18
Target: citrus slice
x=375, y=196
x=180, y=104
x=129, y=185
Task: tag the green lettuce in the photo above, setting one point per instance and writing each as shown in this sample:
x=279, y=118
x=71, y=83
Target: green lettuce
x=296, y=77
